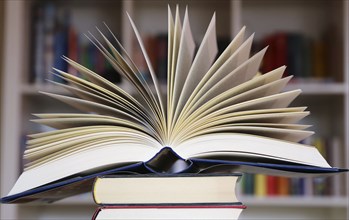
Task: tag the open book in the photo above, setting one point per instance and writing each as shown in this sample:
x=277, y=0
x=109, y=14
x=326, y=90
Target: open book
x=218, y=114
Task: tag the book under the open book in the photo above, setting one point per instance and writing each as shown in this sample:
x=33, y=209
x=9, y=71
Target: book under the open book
x=217, y=115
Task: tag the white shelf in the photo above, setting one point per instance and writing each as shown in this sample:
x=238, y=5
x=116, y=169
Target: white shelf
x=294, y=201
x=250, y=201
x=28, y=89
x=318, y=88
x=308, y=88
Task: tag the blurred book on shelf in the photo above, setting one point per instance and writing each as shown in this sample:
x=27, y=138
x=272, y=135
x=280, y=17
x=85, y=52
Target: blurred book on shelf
x=55, y=36
x=156, y=45
x=307, y=58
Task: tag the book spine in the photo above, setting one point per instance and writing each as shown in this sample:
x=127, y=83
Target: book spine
x=280, y=44
x=49, y=26
x=271, y=185
x=72, y=48
x=162, y=57
x=283, y=186
x=248, y=184
x=39, y=48
x=260, y=186
x=319, y=59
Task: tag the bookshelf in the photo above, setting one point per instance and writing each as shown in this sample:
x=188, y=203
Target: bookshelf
x=328, y=99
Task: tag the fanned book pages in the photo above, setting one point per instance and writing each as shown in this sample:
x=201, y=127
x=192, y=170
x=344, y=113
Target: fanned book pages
x=217, y=115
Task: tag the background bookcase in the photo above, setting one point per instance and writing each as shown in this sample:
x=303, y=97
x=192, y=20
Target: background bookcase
x=326, y=94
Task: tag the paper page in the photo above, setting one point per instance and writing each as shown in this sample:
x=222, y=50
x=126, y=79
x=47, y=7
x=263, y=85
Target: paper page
x=89, y=106
x=231, y=49
x=142, y=88
x=80, y=148
x=96, y=79
x=284, y=117
x=125, y=54
x=185, y=57
x=117, y=134
x=291, y=135
x=281, y=100
x=172, y=71
x=274, y=117
x=119, y=59
x=195, y=111
x=258, y=92
x=116, y=102
x=241, y=74
x=101, y=100
x=240, y=56
x=274, y=125
x=71, y=122
x=120, y=64
x=132, y=73
x=51, y=136
x=226, y=63
x=202, y=62
x=170, y=76
x=115, y=98
x=135, y=78
x=103, y=85
x=159, y=101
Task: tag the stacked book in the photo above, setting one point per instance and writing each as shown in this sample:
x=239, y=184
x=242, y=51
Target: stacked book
x=184, y=196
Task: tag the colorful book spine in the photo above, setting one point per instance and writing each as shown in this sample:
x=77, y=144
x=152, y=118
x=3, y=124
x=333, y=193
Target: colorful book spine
x=272, y=185
x=260, y=186
x=304, y=57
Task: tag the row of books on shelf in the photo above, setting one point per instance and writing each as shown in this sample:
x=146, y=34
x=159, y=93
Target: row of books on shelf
x=266, y=185
x=54, y=36
x=156, y=46
x=306, y=58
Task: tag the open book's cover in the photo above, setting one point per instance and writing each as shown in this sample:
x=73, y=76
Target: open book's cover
x=165, y=162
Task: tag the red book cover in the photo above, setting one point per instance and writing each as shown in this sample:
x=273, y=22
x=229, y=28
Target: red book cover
x=269, y=57
x=280, y=47
x=272, y=186
x=72, y=49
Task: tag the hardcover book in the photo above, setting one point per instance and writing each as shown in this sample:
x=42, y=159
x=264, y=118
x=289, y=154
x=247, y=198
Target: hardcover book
x=169, y=212
x=179, y=189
